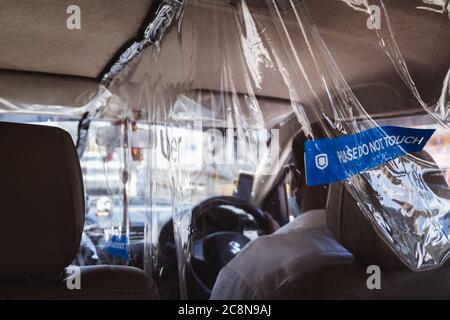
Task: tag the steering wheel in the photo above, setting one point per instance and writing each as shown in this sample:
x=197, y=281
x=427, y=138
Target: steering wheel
x=216, y=237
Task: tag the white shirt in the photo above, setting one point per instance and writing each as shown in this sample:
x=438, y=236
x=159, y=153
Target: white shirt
x=265, y=263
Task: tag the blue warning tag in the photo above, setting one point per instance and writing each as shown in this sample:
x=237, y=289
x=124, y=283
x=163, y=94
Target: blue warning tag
x=335, y=159
x=117, y=246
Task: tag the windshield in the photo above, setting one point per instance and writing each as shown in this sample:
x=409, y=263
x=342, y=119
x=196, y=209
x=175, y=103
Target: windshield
x=127, y=177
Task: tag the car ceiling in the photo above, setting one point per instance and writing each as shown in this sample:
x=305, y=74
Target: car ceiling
x=37, y=46
x=34, y=36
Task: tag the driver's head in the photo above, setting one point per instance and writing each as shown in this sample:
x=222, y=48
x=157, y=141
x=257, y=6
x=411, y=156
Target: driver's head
x=308, y=198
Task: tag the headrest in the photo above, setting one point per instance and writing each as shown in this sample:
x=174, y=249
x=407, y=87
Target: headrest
x=354, y=231
x=42, y=200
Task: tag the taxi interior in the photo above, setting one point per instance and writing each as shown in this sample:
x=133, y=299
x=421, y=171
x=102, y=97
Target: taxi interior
x=118, y=194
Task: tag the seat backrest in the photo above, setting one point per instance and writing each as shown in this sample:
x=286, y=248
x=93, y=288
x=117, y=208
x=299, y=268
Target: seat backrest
x=42, y=200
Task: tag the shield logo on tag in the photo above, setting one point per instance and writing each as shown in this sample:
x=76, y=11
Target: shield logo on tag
x=322, y=161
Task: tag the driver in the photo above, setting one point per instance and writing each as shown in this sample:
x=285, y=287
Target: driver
x=266, y=262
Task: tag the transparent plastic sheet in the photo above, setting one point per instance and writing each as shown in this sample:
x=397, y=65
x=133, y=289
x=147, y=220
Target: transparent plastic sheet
x=217, y=69
x=229, y=74
x=223, y=53
x=163, y=84
x=407, y=207
x=437, y=105
x=407, y=199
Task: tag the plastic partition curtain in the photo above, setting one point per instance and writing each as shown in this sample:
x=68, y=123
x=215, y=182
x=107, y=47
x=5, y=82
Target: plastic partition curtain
x=220, y=60
x=187, y=108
